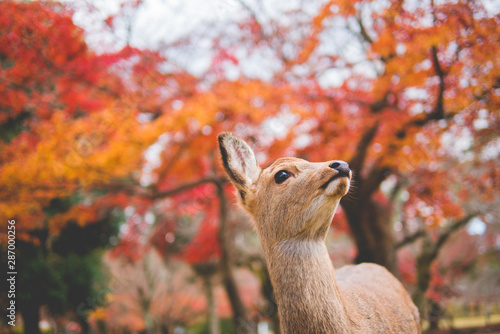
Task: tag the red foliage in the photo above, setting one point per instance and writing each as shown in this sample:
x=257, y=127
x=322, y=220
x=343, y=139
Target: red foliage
x=132, y=243
x=128, y=248
x=204, y=247
x=162, y=235
x=407, y=267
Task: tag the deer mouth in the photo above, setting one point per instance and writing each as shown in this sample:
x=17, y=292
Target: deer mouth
x=336, y=176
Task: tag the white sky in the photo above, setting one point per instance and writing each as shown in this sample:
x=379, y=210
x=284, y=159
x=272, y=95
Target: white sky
x=160, y=22
x=164, y=21
x=167, y=20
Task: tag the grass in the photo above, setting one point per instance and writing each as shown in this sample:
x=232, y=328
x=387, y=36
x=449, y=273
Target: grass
x=467, y=322
x=476, y=321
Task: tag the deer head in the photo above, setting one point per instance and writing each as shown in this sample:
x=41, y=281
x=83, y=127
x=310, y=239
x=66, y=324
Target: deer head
x=290, y=199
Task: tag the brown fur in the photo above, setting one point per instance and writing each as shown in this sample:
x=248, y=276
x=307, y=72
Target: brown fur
x=292, y=220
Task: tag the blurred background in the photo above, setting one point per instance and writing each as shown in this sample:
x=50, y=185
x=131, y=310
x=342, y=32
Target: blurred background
x=109, y=165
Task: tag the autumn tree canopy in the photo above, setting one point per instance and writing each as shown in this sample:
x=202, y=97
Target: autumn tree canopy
x=407, y=92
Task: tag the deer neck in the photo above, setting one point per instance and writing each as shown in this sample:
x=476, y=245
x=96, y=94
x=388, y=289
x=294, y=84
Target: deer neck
x=303, y=278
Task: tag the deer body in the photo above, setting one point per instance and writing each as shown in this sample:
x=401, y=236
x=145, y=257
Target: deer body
x=292, y=203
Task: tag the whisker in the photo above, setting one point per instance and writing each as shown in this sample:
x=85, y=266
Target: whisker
x=353, y=193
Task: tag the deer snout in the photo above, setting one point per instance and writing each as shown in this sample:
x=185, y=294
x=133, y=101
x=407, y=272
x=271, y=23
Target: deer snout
x=341, y=167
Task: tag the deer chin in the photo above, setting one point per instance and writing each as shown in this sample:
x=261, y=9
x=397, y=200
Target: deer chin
x=319, y=215
x=338, y=187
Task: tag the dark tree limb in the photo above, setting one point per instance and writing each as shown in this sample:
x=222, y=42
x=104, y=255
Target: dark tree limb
x=444, y=236
x=429, y=254
x=367, y=38
x=363, y=31
x=357, y=161
x=172, y=161
x=253, y=15
x=187, y=186
x=375, y=177
x=410, y=239
x=438, y=111
x=240, y=319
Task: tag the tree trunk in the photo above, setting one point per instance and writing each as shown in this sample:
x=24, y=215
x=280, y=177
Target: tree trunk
x=266, y=288
x=167, y=329
x=242, y=324
x=145, y=302
x=31, y=318
x=268, y=293
x=435, y=314
x=370, y=222
x=424, y=261
x=429, y=253
x=213, y=319
x=370, y=225
x=101, y=327
x=84, y=324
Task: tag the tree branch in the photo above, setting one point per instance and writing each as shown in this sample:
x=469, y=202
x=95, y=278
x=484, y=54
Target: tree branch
x=410, y=239
x=172, y=161
x=428, y=255
x=372, y=182
x=367, y=38
x=253, y=15
x=358, y=159
x=443, y=236
x=438, y=112
x=362, y=30
x=215, y=180
x=227, y=249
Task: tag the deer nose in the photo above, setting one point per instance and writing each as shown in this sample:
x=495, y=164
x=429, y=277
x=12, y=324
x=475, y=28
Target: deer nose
x=341, y=166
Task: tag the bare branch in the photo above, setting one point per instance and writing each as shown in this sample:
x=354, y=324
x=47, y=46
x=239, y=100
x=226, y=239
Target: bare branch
x=253, y=15
x=363, y=32
x=367, y=38
x=443, y=236
x=188, y=186
x=375, y=177
x=438, y=112
x=410, y=239
x=172, y=161
x=358, y=159
x=227, y=249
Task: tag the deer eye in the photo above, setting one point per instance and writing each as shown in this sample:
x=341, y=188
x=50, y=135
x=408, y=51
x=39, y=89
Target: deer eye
x=281, y=176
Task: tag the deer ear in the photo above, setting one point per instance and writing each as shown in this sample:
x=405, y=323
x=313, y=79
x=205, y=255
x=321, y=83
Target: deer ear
x=239, y=161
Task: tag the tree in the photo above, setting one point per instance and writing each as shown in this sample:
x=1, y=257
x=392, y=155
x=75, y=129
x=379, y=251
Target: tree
x=150, y=297
x=203, y=253
x=401, y=129
x=50, y=77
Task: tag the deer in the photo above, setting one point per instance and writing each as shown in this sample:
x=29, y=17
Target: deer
x=292, y=203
